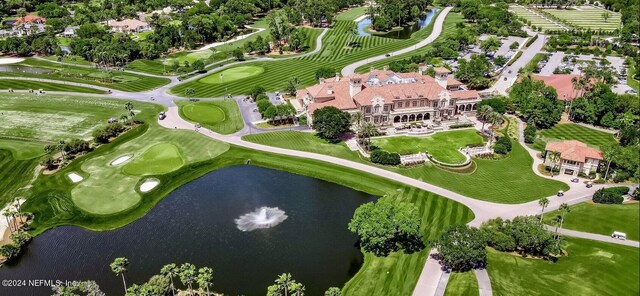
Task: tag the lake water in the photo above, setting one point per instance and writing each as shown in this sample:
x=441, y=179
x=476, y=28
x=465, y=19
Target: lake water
x=195, y=223
x=23, y=69
x=405, y=33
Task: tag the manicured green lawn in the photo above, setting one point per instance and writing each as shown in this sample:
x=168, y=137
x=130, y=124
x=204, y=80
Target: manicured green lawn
x=204, y=113
x=601, y=219
x=443, y=145
x=15, y=173
x=117, y=80
x=304, y=142
x=535, y=19
x=591, y=268
x=334, y=53
x=587, y=18
x=572, y=131
x=232, y=74
x=55, y=117
x=462, y=284
x=159, y=159
x=46, y=86
x=509, y=180
x=352, y=13
x=221, y=116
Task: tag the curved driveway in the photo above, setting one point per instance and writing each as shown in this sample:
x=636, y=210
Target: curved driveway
x=437, y=30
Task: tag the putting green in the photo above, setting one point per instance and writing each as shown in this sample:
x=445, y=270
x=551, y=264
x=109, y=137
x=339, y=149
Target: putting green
x=159, y=159
x=204, y=113
x=232, y=74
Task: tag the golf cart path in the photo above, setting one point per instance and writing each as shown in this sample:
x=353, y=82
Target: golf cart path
x=596, y=237
x=435, y=33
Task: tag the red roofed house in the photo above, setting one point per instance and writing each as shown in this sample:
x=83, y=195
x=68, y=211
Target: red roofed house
x=30, y=19
x=385, y=97
x=563, y=83
x=575, y=157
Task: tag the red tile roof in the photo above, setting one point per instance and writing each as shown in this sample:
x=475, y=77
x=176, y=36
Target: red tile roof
x=562, y=83
x=442, y=70
x=29, y=19
x=465, y=94
x=574, y=150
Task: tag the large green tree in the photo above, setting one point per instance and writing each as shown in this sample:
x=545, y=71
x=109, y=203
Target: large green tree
x=385, y=227
x=462, y=248
x=330, y=122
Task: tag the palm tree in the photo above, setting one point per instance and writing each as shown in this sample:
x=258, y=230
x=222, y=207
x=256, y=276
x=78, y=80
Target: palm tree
x=554, y=157
x=170, y=270
x=483, y=113
x=284, y=281
x=119, y=267
x=496, y=120
x=543, y=202
x=610, y=153
x=6, y=213
x=296, y=289
x=556, y=221
x=357, y=118
x=187, y=275
x=124, y=118
x=205, y=275
x=366, y=130
x=564, y=209
x=60, y=147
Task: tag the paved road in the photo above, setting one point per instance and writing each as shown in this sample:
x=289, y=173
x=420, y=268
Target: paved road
x=510, y=73
x=437, y=30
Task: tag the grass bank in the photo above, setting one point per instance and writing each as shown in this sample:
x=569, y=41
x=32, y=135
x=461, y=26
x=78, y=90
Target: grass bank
x=16, y=84
x=590, y=268
x=501, y=181
x=572, y=131
x=601, y=219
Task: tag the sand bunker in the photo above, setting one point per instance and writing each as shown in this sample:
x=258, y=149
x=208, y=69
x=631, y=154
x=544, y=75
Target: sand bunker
x=75, y=178
x=148, y=185
x=121, y=160
x=6, y=61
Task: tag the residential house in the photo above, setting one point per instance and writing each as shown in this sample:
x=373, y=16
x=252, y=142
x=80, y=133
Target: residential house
x=70, y=32
x=128, y=26
x=575, y=157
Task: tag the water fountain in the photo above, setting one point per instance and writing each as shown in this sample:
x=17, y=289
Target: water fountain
x=263, y=217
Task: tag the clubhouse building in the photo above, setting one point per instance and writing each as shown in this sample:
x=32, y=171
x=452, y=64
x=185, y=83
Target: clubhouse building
x=385, y=97
x=575, y=157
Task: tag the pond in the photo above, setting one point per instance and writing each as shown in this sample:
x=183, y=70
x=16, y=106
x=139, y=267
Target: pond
x=405, y=33
x=24, y=69
x=196, y=223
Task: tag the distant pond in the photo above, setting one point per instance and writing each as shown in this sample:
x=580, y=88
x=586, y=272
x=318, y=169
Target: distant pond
x=196, y=223
x=405, y=33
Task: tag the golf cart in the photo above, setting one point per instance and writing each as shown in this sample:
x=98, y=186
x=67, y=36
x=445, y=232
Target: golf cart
x=619, y=235
x=162, y=115
x=560, y=193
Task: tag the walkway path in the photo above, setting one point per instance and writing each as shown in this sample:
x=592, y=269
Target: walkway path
x=437, y=30
x=484, y=283
x=430, y=277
